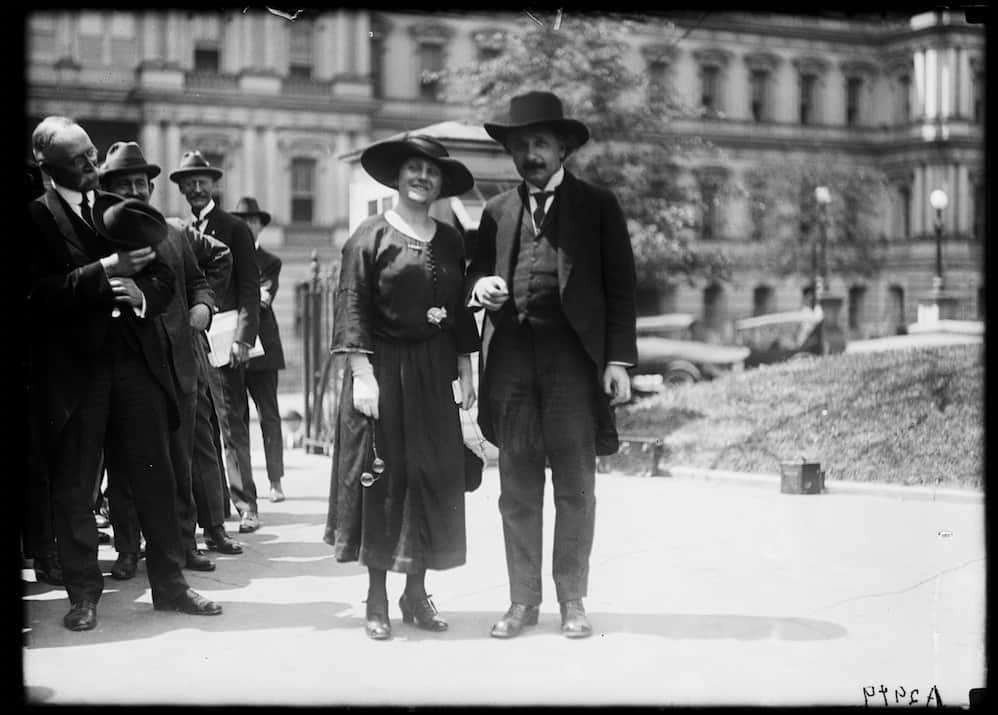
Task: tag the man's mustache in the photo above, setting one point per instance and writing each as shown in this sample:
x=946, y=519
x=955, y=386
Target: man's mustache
x=533, y=165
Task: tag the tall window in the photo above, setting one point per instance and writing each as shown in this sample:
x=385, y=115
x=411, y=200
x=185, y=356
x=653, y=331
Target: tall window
x=656, y=81
x=857, y=300
x=302, y=189
x=301, y=51
x=978, y=95
x=431, y=64
x=709, y=213
x=206, y=58
x=904, y=201
x=710, y=89
x=904, y=98
x=757, y=212
x=759, y=80
x=808, y=98
x=854, y=87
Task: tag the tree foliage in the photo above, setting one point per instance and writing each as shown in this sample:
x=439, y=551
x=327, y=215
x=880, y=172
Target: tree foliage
x=783, y=198
x=632, y=151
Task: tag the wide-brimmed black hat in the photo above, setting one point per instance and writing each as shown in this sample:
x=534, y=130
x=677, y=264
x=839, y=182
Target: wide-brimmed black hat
x=126, y=157
x=128, y=223
x=383, y=160
x=537, y=108
x=248, y=206
x=193, y=162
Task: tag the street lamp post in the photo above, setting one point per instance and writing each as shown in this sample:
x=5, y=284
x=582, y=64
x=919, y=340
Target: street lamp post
x=939, y=201
x=823, y=196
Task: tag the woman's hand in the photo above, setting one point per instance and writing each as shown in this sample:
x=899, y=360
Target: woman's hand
x=466, y=381
x=365, y=386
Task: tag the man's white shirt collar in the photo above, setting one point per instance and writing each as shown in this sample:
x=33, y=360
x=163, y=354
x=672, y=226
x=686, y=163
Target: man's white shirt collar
x=553, y=183
x=73, y=198
x=205, y=211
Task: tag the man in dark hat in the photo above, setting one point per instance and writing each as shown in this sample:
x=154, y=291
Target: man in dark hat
x=200, y=494
x=261, y=371
x=99, y=379
x=553, y=268
x=196, y=179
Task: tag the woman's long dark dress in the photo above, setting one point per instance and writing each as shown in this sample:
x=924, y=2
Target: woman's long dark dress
x=412, y=518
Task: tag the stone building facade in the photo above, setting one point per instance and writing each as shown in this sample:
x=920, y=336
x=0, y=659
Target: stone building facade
x=276, y=104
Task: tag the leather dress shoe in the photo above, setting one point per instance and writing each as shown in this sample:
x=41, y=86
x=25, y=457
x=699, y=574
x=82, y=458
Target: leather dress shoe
x=423, y=612
x=248, y=523
x=190, y=602
x=574, y=623
x=518, y=616
x=215, y=539
x=125, y=566
x=276, y=493
x=82, y=616
x=196, y=561
x=48, y=569
x=377, y=625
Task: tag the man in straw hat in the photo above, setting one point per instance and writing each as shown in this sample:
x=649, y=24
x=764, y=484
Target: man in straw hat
x=553, y=268
x=196, y=179
x=200, y=493
x=99, y=369
x=261, y=371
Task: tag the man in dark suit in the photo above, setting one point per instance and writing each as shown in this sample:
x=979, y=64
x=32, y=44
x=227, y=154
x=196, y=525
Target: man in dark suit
x=100, y=377
x=554, y=269
x=125, y=172
x=196, y=180
x=261, y=371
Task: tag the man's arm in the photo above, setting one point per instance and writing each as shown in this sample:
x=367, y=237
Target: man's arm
x=483, y=260
x=214, y=259
x=619, y=282
x=246, y=277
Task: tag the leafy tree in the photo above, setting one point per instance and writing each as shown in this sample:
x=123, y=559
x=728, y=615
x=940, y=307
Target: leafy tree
x=632, y=151
x=790, y=219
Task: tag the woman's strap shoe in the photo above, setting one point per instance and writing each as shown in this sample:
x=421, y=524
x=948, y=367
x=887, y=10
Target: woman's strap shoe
x=376, y=625
x=423, y=612
x=518, y=616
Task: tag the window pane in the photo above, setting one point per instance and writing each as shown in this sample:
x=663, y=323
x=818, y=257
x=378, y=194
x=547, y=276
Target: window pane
x=853, y=87
x=759, y=79
x=206, y=60
x=301, y=210
x=372, y=208
x=302, y=176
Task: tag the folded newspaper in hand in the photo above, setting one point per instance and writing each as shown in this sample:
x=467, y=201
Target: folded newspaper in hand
x=221, y=334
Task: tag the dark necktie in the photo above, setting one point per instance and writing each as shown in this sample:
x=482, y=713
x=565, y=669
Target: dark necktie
x=198, y=223
x=85, y=211
x=541, y=198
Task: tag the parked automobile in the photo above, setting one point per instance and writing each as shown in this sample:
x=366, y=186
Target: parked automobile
x=776, y=337
x=668, y=355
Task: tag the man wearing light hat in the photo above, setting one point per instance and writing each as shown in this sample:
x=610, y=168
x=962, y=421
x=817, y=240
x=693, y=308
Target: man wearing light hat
x=261, y=371
x=200, y=495
x=553, y=268
x=100, y=377
x=196, y=179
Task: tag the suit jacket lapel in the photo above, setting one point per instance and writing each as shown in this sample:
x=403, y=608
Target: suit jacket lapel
x=510, y=220
x=58, y=210
x=570, y=227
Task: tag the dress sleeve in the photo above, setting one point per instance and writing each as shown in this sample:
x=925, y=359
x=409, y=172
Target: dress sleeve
x=354, y=308
x=466, y=338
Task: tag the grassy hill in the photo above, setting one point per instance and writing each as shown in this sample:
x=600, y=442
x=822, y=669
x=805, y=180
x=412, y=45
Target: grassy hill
x=906, y=416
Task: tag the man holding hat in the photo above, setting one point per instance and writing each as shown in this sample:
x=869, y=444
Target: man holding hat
x=200, y=494
x=196, y=179
x=100, y=375
x=554, y=269
x=261, y=371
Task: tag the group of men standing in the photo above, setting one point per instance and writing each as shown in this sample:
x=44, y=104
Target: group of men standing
x=120, y=377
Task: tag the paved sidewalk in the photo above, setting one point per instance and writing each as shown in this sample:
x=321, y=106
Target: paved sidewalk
x=701, y=593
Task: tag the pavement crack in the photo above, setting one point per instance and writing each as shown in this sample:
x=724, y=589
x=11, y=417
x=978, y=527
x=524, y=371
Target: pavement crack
x=899, y=591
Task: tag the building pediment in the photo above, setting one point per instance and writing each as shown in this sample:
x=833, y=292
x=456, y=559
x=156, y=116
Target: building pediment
x=214, y=141
x=712, y=56
x=762, y=61
x=431, y=33
x=811, y=64
x=660, y=53
x=859, y=68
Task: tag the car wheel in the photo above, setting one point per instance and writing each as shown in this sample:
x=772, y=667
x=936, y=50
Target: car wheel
x=681, y=372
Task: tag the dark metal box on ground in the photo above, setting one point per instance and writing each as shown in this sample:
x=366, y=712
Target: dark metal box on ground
x=801, y=478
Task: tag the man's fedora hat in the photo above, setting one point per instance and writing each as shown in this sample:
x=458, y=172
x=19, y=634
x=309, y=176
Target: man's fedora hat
x=537, y=108
x=383, y=160
x=128, y=223
x=248, y=206
x=126, y=157
x=193, y=162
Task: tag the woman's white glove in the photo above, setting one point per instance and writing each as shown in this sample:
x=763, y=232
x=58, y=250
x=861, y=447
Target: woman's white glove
x=365, y=387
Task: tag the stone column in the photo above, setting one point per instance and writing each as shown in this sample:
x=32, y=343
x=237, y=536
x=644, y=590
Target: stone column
x=931, y=84
x=325, y=41
x=362, y=45
x=918, y=86
x=342, y=45
x=271, y=38
x=65, y=37
x=177, y=204
x=148, y=38
x=339, y=180
x=966, y=91
x=172, y=31
x=250, y=160
x=275, y=187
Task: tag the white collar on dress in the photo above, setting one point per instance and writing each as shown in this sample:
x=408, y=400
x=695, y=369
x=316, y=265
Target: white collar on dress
x=400, y=225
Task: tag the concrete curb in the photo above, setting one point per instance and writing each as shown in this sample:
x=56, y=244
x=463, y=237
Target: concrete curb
x=772, y=481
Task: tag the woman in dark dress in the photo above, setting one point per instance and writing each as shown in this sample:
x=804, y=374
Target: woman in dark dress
x=408, y=338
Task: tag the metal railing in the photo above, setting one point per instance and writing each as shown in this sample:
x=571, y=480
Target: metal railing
x=321, y=370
